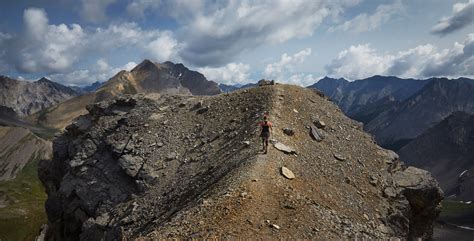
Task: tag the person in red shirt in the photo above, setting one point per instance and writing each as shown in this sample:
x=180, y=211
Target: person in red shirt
x=265, y=133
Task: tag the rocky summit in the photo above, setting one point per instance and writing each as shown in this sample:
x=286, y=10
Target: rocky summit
x=180, y=166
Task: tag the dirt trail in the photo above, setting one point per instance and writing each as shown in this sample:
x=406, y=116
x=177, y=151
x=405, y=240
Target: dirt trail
x=182, y=167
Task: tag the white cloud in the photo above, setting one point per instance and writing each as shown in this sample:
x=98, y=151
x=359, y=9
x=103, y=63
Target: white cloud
x=49, y=48
x=462, y=16
x=164, y=47
x=283, y=68
x=153, y=44
x=53, y=49
x=101, y=72
x=422, y=61
x=95, y=10
x=215, y=35
x=230, y=74
x=302, y=79
x=129, y=66
x=365, y=22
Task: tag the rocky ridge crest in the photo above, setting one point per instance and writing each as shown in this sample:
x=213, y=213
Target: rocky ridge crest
x=177, y=166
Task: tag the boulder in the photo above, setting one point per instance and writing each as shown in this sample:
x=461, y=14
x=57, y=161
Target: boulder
x=287, y=173
x=319, y=124
x=424, y=196
x=316, y=134
x=288, y=131
x=286, y=149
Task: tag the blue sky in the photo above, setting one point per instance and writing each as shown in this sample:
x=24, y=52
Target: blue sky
x=234, y=42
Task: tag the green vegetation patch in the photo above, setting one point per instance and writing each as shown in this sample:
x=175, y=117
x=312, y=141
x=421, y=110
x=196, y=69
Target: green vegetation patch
x=23, y=217
x=454, y=207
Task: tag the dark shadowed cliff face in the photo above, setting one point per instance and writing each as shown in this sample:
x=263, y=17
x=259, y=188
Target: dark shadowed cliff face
x=26, y=98
x=447, y=151
x=192, y=80
x=176, y=166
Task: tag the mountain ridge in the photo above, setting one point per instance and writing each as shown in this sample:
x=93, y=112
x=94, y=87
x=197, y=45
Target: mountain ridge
x=180, y=166
x=146, y=77
x=26, y=98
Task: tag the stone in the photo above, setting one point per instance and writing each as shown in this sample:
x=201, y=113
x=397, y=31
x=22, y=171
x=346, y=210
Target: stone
x=391, y=157
x=319, y=124
x=275, y=226
x=389, y=192
x=288, y=131
x=285, y=149
x=316, y=134
x=373, y=180
x=199, y=104
x=203, y=110
x=287, y=173
x=130, y=164
x=339, y=157
x=246, y=143
x=171, y=156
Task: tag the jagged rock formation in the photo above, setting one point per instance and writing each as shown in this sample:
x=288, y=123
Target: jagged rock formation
x=446, y=150
x=18, y=146
x=26, y=98
x=175, y=166
x=147, y=77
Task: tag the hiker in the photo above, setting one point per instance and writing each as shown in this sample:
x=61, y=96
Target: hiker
x=266, y=129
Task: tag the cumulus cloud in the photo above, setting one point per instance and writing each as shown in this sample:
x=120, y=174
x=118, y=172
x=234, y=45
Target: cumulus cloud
x=45, y=47
x=230, y=74
x=94, y=11
x=462, y=16
x=52, y=49
x=281, y=69
x=365, y=22
x=153, y=44
x=216, y=34
x=362, y=61
x=101, y=72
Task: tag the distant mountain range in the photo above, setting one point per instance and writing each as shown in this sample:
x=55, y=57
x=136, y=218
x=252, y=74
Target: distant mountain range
x=397, y=110
x=26, y=98
x=88, y=88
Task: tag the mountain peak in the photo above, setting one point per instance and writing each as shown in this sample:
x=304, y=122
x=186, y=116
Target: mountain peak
x=44, y=80
x=145, y=65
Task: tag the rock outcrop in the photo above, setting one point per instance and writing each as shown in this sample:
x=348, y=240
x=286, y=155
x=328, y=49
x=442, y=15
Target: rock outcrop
x=146, y=167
